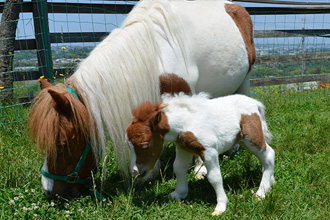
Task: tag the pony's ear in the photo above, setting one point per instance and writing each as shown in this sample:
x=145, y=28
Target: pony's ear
x=45, y=83
x=62, y=102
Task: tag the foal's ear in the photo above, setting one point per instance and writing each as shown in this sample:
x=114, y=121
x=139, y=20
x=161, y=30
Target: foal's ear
x=157, y=118
x=62, y=102
x=154, y=120
x=45, y=83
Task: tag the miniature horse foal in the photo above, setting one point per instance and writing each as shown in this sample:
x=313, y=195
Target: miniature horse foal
x=204, y=127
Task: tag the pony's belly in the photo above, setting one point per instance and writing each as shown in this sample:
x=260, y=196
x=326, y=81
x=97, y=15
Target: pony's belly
x=216, y=48
x=219, y=85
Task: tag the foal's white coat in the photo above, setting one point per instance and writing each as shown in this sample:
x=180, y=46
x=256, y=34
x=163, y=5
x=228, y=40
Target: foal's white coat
x=216, y=124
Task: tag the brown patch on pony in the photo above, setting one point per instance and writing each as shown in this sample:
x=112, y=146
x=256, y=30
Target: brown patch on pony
x=188, y=142
x=50, y=127
x=172, y=83
x=244, y=23
x=251, y=129
x=146, y=132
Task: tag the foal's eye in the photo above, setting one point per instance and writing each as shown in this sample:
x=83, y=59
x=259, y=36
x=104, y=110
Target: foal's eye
x=145, y=147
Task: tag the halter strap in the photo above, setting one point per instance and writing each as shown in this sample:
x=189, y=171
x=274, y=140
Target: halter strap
x=74, y=176
x=70, y=90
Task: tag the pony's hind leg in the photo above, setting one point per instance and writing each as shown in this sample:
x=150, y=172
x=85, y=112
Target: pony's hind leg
x=215, y=178
x=180, y=166
x=267, y=159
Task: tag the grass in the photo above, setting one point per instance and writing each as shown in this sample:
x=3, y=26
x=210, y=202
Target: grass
x=300, y=123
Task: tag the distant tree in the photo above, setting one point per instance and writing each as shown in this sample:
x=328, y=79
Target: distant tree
x=9, y=19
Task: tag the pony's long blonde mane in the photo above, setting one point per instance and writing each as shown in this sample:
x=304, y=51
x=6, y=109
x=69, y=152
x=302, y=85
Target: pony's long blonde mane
x=45, y=123
x=122, y=72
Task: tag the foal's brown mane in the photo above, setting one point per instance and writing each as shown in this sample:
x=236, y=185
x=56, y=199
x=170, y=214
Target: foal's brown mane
x=45, y=123
x=146, y=110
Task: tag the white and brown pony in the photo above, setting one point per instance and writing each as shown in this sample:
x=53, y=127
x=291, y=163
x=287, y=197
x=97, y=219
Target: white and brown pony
x=204, y=45
x=204, y=127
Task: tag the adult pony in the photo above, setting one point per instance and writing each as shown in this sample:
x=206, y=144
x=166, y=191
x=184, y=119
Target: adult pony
x=203, y=45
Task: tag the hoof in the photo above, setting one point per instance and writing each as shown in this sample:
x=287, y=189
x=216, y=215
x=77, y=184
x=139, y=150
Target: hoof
x=199, y=177
x=216, y=213
x=257, y=198
x=176, y=196
x=200, y=171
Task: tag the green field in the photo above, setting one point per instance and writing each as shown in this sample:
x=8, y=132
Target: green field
x=300, y=123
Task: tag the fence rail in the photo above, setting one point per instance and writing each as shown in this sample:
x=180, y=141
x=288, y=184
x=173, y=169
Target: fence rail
x=83, y=8
x=284, y=2
x=289, y=80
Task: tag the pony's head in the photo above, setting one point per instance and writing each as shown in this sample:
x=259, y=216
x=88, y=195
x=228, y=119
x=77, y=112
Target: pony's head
x=59, y=124
x=145, y=136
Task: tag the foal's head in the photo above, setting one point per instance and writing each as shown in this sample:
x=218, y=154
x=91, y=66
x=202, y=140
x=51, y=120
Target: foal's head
x=59, y=123
x=145, y=136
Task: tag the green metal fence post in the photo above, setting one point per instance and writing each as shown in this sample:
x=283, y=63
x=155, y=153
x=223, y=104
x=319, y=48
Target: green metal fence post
x=44, y=53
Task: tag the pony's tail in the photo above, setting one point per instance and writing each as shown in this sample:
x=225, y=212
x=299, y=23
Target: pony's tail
x=268, y=135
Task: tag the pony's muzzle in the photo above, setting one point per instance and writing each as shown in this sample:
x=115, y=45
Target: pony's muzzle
x=47, y=192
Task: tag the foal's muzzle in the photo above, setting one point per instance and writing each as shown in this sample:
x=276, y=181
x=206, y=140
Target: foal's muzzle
x=140, y=172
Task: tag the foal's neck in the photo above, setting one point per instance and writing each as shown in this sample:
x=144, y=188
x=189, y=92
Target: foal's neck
x=177, y=123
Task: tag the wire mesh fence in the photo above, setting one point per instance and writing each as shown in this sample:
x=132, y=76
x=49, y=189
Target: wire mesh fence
x=51, y=37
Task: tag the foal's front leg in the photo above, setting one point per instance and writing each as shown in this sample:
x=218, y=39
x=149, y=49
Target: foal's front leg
x=215, y=178
x=180, y=166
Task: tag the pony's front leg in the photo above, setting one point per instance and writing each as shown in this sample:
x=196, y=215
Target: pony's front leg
x=180, y=166
x=215, y=178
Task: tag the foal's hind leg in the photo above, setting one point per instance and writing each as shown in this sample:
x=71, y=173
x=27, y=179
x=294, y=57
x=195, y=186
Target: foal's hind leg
x=267, y=159
x=215, y=178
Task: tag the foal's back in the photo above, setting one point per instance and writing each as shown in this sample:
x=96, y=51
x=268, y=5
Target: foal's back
x=210, y=119
x=201, y=106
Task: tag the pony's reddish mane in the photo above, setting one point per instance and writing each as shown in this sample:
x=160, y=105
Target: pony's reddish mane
x=45, y=124
x=146, y=110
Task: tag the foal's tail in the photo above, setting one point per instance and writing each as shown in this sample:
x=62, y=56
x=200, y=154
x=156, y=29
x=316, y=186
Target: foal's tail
x=268, y=135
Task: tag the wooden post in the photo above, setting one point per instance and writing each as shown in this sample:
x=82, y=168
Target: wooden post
x=44, y=53
x=8, y=27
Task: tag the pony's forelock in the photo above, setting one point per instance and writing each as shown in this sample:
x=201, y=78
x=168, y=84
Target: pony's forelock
x=44, y=120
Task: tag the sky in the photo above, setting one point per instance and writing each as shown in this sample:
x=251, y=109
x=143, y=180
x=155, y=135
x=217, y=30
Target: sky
x=105, y=23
